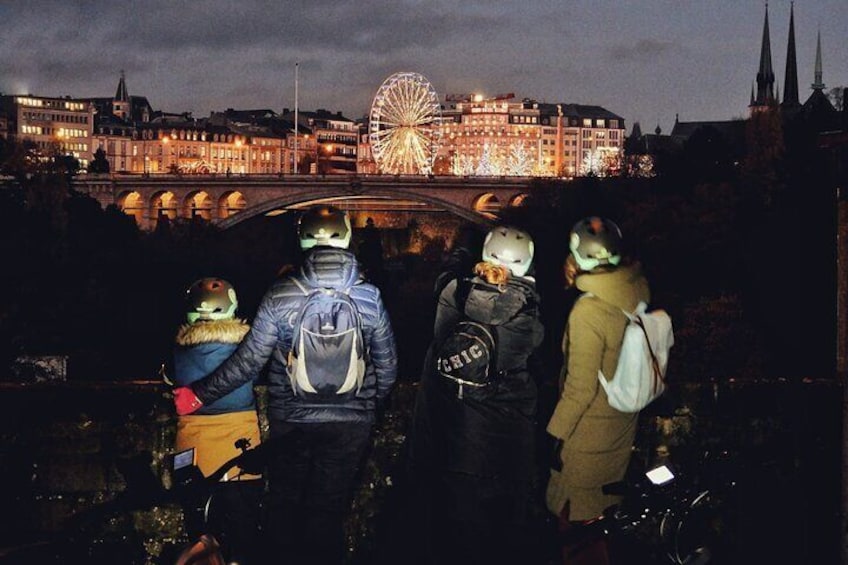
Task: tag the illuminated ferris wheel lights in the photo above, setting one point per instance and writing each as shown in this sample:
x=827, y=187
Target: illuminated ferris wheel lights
x=401, y=131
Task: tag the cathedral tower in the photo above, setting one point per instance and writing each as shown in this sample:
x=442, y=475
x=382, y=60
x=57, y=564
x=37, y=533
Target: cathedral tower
x=765, y=75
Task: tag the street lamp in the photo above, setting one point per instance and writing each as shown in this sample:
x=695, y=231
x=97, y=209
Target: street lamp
x=165, y=141
x=237, y=151
x=328, y=151
x=145, y=168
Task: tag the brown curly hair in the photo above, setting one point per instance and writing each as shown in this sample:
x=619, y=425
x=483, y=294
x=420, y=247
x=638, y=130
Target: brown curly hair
x=491, y=273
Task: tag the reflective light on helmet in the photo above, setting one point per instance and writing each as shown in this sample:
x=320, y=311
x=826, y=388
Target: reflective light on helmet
x=210, y=299
x=324, y=226
x=595, y=241
x=509, y=247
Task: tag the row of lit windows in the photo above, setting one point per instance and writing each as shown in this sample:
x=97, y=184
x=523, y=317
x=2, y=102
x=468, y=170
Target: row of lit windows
x=499, y=142
x=42, y=103
x=336, y=138
x=488, y=120
x=342, y=126
x=504, y=107
x=50, y=117
x=564, y=142
x=193, y=135
x=488, y=132
x=71, y=132
x=74, y=147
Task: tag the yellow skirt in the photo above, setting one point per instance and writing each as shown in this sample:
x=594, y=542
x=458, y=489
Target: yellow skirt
x=214, y=437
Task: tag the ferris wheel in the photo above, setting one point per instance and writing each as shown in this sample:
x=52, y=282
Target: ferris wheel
x=404, y=127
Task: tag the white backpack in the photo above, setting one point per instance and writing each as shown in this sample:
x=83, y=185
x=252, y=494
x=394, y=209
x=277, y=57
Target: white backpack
x=640, y=375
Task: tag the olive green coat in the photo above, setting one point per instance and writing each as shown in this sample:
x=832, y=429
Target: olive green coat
x=597, y=439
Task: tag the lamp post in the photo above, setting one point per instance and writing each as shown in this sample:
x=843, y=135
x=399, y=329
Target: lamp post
x=237, y=150
x=165, y=141
x=326, y=151
x=145, y=164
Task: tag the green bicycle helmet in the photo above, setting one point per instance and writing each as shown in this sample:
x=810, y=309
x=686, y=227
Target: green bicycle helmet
x=324, y=225
x=210, y=299
x=595, y=242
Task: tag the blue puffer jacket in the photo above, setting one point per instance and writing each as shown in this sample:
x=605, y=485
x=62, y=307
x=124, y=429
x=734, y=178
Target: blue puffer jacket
x=201, y=348
x=271, y=338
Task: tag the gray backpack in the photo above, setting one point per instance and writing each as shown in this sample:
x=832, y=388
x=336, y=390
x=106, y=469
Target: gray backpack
x=327, y=357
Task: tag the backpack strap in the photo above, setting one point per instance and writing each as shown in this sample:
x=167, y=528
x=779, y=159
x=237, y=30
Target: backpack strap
x=299, y=285
x=461, y=292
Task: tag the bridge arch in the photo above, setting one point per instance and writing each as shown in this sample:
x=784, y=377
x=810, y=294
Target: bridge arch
x=163, y=203
x=332, y=194
x=236, y=198
x=198, y=204
x=518, y=200
x=231, y=202
x=487, y=204
x=131, y=203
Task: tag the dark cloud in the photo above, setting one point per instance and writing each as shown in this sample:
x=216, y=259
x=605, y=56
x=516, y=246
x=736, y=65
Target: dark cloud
x=643, y=60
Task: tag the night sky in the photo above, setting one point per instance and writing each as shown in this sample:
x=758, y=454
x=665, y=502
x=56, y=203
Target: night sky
x=645, y=60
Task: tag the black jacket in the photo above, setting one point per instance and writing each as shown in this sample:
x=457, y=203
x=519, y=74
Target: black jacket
x=271, y=335
x=491, y=437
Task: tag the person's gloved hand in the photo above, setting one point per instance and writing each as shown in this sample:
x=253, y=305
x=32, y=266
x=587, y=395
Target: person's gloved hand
x=186, y=401
x=556, y=455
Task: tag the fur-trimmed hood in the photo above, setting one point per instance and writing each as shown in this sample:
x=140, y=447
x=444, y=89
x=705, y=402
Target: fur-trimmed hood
x=214, y=331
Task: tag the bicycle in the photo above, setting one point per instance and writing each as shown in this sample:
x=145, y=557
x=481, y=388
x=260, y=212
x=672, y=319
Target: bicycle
x=199, y=495
x=666, y=516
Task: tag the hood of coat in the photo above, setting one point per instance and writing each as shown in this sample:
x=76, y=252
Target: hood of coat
x=623, y=287
x=492, y=305
x=328, y=267
x=214, y=331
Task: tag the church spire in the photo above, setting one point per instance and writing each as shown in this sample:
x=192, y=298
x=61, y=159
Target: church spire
x=818, y=84
x=765, y=76
x=121, y=103
x=790, y=80
x=121, y=94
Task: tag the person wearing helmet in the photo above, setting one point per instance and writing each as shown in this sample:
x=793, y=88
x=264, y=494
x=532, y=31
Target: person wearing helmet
x=593, y=440
x=209, y=337
x=473, y=454
x=311, y=479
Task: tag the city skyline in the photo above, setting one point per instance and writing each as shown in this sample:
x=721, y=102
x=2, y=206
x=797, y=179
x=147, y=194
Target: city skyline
x=647, y=63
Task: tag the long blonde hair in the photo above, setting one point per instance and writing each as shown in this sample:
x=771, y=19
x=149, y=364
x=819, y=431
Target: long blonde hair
x=491, y=273
x=570, y=270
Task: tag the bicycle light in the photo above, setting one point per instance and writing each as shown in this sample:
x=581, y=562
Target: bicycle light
x=660, y=475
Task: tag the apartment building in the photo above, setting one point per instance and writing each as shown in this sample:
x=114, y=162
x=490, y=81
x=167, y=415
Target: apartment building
x=488, y=136
x=579, y=139
x=54, y=125
x=334, y=137
x=501, y=136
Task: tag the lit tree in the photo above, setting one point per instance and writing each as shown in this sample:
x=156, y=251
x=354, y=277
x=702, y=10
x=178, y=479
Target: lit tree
x=641, y=166
x=490, y=162
x=601, y=162
x=518, y=162
x=462, y=165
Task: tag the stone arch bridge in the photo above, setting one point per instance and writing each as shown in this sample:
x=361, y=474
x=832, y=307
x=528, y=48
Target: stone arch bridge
x=228, y=200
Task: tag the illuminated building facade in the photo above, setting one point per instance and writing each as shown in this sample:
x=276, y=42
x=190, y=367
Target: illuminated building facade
x=332, y=137
x=55, y=125
x=500, y=136
x=480, y=135
x=135, y=139
x=579, y=139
